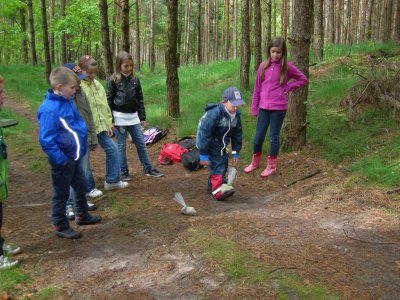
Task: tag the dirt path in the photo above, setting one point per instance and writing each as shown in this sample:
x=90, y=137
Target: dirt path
x=319, y=229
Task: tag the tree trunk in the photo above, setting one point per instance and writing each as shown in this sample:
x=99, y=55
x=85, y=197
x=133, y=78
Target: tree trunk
x=331, y=21
x=206, y=28
x=24, y=42
x=114, y=37
x=349, y=34
x=105, y=37
x=396, y=21
x=339, y=21
x=152, y=57
x=125, y=25
x=245, y=46
x=319, y=29
x=199, y=57
x=51, y=36
x=274, y=17
x=31, y=29
x=257, y=35
x=387, y=27
x=46, y=46
x=268, y=25
x=216, y=16
x=234, y=29
x=284, y=19
x=137, y=37
x=171, y=59
x=295, y=127
x=63, y=36
x=226, y=26
x=363, y=19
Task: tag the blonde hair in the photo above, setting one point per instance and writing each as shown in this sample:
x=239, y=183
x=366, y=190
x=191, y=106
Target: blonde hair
x=121, y=57
x=61, y=75
x=1, y=79
x=280, y=43
x=87, y=62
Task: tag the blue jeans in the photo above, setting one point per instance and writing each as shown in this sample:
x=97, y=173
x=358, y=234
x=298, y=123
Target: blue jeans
x=63, y=178
x=112, y=160
x=274, y=120
x=137, y=138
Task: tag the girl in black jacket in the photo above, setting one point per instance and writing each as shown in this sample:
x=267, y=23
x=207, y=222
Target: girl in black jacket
x=125, y=98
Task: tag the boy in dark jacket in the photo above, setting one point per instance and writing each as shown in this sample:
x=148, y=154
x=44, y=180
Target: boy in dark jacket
x=219, y=125
x=62, y=136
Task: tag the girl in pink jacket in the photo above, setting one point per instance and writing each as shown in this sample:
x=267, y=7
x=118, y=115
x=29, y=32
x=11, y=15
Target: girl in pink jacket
x=275, y=79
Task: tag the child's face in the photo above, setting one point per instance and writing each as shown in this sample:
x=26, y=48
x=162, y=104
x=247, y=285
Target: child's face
x=67, y=90
x=275, y=53
x=91, y=73
x=127, y=67
x=230, y=107
x=2, y=94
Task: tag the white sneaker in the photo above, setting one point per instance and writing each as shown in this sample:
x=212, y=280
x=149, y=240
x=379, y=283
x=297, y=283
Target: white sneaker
x=6, y=263
x=11, y=249
x=117, y=185
x=70, y=212
x=94, y=193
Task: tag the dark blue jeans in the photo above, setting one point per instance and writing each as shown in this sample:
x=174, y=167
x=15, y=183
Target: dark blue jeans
x=63, y=177
x=274, y=120
x=217, y=165
x=137, y=138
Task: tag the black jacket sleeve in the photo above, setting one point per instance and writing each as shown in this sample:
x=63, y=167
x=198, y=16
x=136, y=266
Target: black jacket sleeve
x=140, y=102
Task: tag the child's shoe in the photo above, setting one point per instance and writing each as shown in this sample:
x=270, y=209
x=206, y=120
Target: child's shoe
x=95, y=193
x=70, y=212
x=271, y=167
x=67, y=232
x=114, y=186
x=125, y=177
x=255, y=163
x=11, y=249
x=91, y=206
x=154, y=173
x=6, y=263
x=87, y=219
x=226, y=191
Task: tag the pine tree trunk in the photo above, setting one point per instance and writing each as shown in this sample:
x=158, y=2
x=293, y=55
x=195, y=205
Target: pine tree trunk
x=339, y=22
x=257, y=35
x=396, y=21
x=105, y=37
x=171, y=59
x=125, y=25
x=387, y=27
x=382, y=20
x=318, y=29
x=199, y=57
x=234, y=29
x=46, y=46
x=245, y=46
x=284, y=19
x=63, y=36
x=31, y=29
x=274, y=18
x=349, y=34
x=152, y=57
x=331, y=21
x=295, y=127
x=226, y=26
x=51, y=35
x=354, y=21
x=137, y=37
x=363, y=19
x=24, y=42
x=369, y=20
x=216, y=16
x=268, y=24
x=206, y=28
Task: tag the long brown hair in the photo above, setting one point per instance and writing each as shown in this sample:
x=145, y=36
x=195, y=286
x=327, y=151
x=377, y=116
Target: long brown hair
x=121, y=57
x=280, y=43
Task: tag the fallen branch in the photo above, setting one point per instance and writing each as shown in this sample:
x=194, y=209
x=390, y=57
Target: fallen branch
x=368, y=242
x=282, y=268
x=303, y=178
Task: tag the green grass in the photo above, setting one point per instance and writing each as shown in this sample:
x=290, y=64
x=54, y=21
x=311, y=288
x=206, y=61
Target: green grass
x=241, y=266
x=10, y=278
x=47, y=293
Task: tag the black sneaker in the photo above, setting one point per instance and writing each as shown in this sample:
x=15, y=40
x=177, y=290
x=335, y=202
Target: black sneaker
x=67, y=232
x=125, y=177
x=154, y=173
x=87, y=219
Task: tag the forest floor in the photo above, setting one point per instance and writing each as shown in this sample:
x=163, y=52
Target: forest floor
x=322, y=231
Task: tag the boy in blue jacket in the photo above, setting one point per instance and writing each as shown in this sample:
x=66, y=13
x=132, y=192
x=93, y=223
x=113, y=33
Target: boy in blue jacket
x=219, y=125
x=62, y=136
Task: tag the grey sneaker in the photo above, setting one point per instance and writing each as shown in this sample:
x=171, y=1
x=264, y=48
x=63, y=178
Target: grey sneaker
x=87, y=219
x=125, y=177
x=11, y=249
x=70, y=213
x=6, y=263
x=95, y=193
x=154, y=173
x=114, y=186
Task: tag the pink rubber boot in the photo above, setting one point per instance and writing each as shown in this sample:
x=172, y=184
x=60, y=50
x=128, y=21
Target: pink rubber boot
x=271, y=167
x=255, y=162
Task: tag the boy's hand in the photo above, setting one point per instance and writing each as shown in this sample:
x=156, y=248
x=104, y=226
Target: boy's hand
x=110, y=132
x=235, y=161
x=204, y=163
x=143, y=124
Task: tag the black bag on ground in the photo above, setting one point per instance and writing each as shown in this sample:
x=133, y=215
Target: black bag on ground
x=188, y=142
x=191, y=159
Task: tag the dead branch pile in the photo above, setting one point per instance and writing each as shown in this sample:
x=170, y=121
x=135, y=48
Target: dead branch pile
x=379, y=87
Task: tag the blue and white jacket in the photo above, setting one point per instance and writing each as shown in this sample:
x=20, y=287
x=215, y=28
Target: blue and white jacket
x=62, y=131
x=216, y=129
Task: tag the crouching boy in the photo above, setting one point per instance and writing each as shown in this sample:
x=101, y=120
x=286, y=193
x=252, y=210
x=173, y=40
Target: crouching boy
x=219, y=125
x=62, y=136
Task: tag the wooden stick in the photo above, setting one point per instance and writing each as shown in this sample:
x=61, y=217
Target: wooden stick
x=303, y=178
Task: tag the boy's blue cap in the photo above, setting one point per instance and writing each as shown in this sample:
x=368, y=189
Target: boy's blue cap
x=233, y=95
x=77, y=70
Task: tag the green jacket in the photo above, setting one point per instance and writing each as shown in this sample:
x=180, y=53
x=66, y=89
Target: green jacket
x=82, y=104
x=101, y=112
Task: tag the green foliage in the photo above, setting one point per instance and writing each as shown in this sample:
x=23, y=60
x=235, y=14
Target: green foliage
x=9, y=278
x=46, y=293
